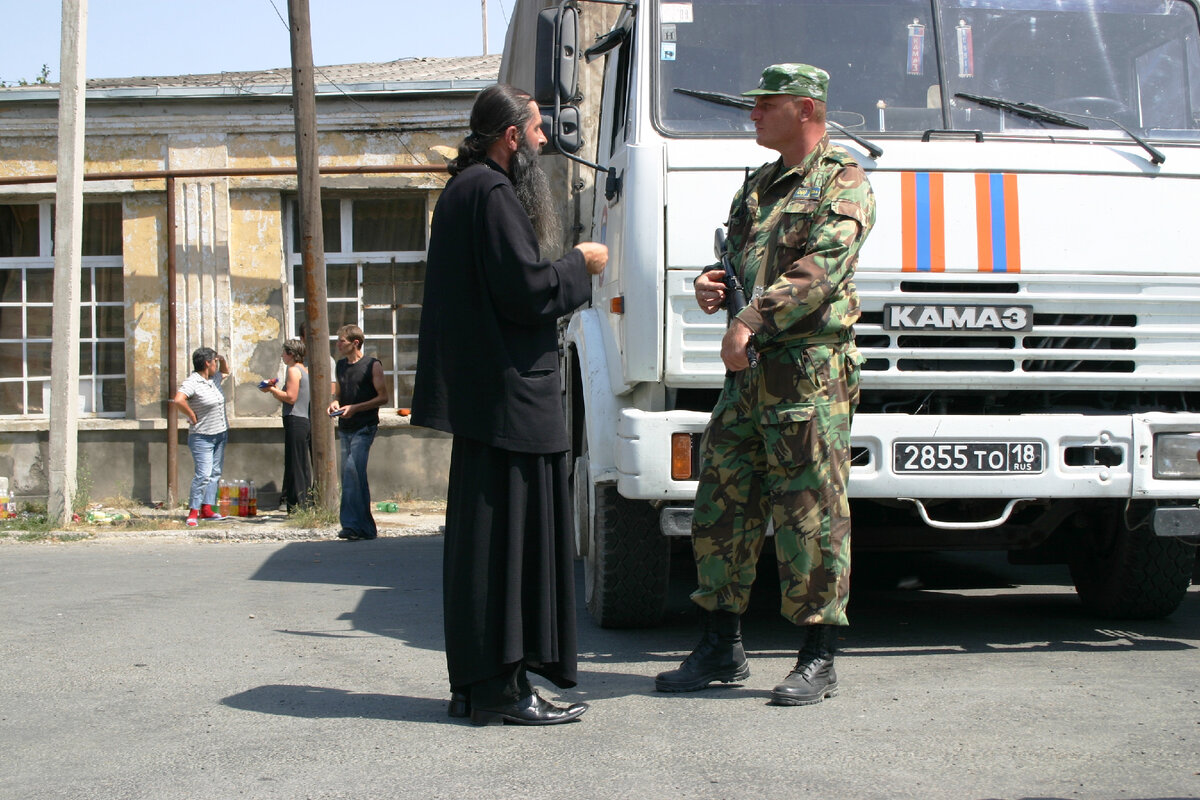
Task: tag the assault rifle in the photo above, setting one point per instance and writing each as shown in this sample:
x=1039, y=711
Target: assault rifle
x=735, y=295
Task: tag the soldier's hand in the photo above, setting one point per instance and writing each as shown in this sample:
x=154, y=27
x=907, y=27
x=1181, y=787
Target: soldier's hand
x=733, y=346
x=710, y=290
x=595, y=255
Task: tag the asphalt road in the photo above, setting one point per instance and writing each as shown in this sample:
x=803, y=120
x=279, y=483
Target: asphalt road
x=174, y=668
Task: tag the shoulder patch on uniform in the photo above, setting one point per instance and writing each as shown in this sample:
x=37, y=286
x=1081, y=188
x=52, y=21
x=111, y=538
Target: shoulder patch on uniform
x=842, y=156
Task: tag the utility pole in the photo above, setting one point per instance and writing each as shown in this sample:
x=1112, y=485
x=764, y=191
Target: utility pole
x=68, y=235
x=312, y=248
x=485, y=44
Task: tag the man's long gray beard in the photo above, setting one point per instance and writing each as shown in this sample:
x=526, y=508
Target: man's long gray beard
x=533, y=190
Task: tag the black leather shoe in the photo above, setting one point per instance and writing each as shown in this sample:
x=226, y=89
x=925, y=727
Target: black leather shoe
x=353, y=536
x=718, y=657
x=813, y=678
x=460, y=705
x=531, y=710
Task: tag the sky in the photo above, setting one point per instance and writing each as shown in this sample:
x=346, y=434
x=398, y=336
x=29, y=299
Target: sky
x=130, y=38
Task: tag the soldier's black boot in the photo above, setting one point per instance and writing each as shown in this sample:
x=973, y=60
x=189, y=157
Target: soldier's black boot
x=718, y=657
x=813, y=679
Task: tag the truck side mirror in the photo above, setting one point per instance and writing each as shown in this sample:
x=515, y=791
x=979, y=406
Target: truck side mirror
x=563, y=134
x=557, y=58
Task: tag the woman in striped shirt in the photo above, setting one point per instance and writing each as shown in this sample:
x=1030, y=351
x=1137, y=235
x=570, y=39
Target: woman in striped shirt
x=202, y=401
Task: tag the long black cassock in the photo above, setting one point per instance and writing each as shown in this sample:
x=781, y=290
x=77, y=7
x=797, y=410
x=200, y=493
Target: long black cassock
x=487, y=372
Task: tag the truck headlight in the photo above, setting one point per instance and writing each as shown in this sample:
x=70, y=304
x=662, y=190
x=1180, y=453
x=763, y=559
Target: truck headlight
x=1177, y=455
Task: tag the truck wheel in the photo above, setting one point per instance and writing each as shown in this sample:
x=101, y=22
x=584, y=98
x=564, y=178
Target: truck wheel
x=628, y=562
x=1126, y=573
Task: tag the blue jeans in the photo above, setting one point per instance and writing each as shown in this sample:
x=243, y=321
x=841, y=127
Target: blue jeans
x=208, y=453
x=355, y=448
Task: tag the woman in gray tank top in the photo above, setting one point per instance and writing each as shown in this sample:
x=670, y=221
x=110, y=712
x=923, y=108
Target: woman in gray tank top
x=297, y=429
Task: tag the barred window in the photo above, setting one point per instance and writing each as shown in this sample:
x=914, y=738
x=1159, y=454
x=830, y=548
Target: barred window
x=27, y=309
x=374, y=275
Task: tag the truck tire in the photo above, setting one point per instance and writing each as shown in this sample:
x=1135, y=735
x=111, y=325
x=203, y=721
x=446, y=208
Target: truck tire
x=1124, y=573
x=628, y=562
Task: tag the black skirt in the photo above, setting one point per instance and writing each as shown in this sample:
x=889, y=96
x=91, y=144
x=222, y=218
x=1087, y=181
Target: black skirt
x=508, y=573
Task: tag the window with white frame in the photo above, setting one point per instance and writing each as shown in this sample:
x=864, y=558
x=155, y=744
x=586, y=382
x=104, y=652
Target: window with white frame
x=27, y=309
x=374, y=274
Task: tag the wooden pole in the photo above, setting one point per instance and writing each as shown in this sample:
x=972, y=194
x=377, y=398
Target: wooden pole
x=172, y=343
x=68, y=235
x=312, y=248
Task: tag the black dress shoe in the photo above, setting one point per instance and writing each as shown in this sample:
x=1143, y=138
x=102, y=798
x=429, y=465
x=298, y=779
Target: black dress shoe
x=531, y=710
x=353, y=536
x=460, y=705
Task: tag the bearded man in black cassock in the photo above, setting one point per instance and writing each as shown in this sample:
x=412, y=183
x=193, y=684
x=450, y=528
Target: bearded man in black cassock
x=487, y=372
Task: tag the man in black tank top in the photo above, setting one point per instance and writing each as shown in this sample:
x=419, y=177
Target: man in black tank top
x=359, y=391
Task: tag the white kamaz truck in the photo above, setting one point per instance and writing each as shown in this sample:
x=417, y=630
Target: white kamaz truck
x=1030, y=293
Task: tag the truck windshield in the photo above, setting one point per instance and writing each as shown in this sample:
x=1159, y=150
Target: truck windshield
x=897, y=66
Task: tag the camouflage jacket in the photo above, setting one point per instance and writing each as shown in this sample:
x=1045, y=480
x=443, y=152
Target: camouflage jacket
x=801, y=228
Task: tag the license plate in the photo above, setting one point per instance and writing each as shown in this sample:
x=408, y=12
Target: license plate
x=967, y=458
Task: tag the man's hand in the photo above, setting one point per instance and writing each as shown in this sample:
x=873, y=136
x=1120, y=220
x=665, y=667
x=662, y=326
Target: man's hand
x=710, y=290
x=733, y=346
x=595, y=255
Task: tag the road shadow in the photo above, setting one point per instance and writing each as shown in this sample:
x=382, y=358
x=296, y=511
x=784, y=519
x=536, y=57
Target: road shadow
x=945, y=604
x=401, y=581
x=323, y=702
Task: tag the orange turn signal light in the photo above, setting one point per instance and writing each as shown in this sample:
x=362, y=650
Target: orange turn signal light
x=617, y=305
x=681, y=457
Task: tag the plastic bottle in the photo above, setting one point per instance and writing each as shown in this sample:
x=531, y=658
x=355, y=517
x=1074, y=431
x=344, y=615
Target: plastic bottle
x=223, y=498
x=5, y=499
x=253, y=501
x=243, y=499
x=234, y=501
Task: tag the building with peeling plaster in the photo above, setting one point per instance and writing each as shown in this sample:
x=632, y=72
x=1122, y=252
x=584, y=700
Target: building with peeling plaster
x=227, y=141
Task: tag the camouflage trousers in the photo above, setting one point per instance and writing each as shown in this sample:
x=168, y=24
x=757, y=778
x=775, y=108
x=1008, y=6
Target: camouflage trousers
x=777, y=449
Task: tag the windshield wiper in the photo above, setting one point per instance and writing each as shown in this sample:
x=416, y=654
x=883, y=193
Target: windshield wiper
x=722, y=99
x=1027, y=110
x=1043, y=114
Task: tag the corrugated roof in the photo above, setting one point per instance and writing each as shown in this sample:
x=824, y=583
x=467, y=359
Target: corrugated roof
x=427, y=72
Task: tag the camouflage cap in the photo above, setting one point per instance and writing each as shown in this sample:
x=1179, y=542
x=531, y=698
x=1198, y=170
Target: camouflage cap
x=795, y=79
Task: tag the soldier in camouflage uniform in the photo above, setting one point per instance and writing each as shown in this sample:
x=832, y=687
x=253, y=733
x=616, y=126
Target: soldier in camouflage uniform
x=777, y=447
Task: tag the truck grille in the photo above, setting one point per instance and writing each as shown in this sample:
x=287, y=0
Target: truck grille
x=1089, y=332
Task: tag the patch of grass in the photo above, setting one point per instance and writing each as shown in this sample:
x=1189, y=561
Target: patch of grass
x=122, y=503
x=314, y=517
x=31, y=527
x=53, y=536
x=27, y=523
x=83, y=486
x=34, y=525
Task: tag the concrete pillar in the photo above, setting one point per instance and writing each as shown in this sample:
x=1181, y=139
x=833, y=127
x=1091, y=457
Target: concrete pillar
x=203, y=297
x=64, y=363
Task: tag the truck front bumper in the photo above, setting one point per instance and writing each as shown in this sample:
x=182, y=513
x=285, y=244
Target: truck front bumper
x=1082, y=457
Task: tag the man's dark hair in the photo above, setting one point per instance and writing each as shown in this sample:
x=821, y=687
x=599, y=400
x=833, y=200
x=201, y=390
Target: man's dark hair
x=352, y=333
x=496, y=109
